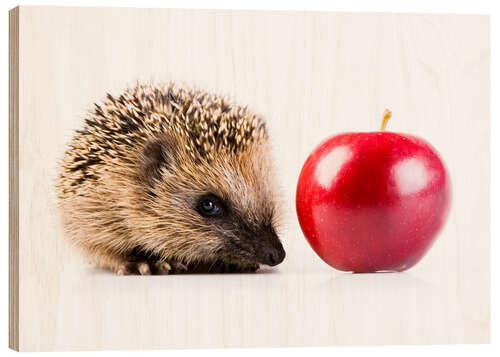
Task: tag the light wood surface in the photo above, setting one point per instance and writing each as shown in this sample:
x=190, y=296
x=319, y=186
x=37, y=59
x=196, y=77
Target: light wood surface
x=311, y=75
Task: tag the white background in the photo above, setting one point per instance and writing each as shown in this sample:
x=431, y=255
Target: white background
x=366, y=6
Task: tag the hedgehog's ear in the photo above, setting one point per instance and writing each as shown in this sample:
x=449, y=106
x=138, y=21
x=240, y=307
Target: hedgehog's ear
x=157, y=154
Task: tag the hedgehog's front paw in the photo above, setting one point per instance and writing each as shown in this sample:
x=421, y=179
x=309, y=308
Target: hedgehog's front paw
x=131, y=268
x=248, y=268
x=143, y=267
x=162, y=268
x=171, y=267
x=179, y=267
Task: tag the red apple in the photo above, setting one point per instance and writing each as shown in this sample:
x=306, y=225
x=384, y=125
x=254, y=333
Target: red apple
x=373, y=201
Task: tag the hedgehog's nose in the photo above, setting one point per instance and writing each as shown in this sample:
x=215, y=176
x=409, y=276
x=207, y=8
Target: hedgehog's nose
x=274, y=255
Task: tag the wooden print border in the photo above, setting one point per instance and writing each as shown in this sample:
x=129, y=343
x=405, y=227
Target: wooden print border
x=14, y=178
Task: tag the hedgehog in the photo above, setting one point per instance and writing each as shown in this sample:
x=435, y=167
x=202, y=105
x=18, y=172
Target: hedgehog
x=165, y=178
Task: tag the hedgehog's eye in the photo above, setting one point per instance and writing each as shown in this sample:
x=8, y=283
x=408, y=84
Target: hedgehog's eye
x=210, y=206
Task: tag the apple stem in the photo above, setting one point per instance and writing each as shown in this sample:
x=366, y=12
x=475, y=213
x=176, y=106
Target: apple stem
x=386, y=116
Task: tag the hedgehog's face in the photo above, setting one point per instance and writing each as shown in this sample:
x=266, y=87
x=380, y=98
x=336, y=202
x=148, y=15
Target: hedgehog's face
x=220, y=209
x=241, y=237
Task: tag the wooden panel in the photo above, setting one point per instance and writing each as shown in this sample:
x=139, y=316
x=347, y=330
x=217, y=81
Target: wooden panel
x=311, y=75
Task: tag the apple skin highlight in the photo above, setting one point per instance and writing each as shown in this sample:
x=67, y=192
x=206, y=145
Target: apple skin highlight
x=373, y=201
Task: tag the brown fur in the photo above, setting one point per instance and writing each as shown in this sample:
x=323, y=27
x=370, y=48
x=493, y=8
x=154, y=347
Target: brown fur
x=130, y=178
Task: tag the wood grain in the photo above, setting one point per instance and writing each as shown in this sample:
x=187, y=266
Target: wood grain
x=311, y=75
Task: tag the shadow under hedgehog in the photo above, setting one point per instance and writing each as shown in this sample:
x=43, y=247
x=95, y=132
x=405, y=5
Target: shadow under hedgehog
x=167, y=179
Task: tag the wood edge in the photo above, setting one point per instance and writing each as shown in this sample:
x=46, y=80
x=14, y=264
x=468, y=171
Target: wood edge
x=14, y=178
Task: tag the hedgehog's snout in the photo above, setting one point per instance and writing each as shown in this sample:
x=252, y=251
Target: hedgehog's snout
x=272, y=255
x=270, y=250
